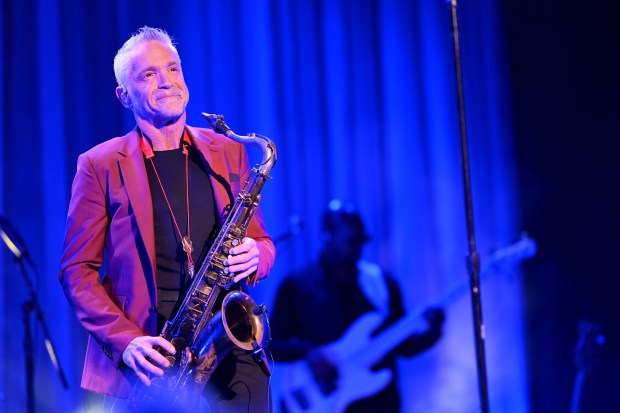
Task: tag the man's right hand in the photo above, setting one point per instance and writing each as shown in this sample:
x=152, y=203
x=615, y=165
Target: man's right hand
x=142, y=358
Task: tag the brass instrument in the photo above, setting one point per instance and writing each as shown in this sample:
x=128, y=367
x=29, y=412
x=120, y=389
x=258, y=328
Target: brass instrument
x=201, y=334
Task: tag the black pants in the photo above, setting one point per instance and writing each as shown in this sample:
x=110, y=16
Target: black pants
x=238, y=385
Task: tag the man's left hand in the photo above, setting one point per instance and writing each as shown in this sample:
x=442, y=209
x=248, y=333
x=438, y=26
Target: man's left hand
x=435, y=318
x=243, y=260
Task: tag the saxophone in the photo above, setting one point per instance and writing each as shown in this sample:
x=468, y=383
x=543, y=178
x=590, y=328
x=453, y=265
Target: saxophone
x=201, y=334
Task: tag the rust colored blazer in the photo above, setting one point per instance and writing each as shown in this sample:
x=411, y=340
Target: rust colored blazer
x=111, y=210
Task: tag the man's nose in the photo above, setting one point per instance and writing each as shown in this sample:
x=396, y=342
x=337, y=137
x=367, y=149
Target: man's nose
x=165, y=81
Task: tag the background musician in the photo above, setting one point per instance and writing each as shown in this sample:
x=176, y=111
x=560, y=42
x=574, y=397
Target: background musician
x=316, y=306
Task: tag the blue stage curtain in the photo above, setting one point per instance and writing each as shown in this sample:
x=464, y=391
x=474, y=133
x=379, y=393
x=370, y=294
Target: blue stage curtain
x=359, y=97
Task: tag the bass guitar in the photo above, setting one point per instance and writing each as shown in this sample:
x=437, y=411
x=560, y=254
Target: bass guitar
x=357, y=351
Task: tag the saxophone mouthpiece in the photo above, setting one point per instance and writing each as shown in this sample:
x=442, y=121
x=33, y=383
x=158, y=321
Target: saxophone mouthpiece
x=216, y=122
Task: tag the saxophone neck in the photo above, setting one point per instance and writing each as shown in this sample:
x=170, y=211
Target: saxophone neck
x=264, y=144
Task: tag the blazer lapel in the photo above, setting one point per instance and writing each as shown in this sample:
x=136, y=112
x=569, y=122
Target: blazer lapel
x=133, y=174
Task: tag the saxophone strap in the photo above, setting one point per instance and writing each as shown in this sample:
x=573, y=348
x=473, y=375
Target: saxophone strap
x=186, y=241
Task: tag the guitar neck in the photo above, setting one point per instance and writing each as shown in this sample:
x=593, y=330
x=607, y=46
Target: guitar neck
x=399, y=331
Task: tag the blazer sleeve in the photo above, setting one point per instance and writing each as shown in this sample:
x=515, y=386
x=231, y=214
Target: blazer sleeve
x=99, y=313
x=257, y=229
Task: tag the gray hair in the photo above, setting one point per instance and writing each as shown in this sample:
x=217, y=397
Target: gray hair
x=123, y=56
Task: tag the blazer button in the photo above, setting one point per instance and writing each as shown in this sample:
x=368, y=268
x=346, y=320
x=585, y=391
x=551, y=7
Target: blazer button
x=153, y=309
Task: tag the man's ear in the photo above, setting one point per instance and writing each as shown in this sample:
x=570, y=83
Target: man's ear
x=123, y=96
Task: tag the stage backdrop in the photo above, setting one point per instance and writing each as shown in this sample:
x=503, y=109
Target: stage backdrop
x=360, y=98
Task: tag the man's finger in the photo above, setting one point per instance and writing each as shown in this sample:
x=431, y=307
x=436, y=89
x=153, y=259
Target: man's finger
x=251, y=264
x=245, y=273
x=246, y=245
x=143, y=378
x=151, y=368
x=251, y=256
x=165, y=344
x=239, y=249
x=156, y=357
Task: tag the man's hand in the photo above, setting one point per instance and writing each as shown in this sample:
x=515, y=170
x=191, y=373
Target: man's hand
x=324, y=371
x=435, y=317
x=243, y=260
x=137, y=351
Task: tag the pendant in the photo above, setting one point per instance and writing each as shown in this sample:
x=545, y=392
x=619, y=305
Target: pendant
x=187, y=245
x=188, y=248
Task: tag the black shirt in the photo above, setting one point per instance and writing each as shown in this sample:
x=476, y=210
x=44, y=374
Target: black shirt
x=171, y=260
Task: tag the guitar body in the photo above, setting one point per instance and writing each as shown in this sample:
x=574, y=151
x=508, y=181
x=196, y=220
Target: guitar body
x=355, y=379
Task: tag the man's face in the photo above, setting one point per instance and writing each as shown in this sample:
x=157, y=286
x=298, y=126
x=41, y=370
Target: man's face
x=345, y=242
x=156, y=90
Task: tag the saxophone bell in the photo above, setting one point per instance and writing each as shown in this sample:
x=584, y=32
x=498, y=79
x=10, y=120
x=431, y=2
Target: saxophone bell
x=240, y=323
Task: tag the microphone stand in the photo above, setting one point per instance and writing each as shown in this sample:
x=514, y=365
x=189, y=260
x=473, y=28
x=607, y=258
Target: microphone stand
x=474, y=258
x=32, y=306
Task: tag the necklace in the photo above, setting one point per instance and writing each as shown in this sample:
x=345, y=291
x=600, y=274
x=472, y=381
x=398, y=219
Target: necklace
x=186, y=241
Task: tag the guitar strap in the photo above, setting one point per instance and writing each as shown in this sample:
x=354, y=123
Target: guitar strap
x=372, y=283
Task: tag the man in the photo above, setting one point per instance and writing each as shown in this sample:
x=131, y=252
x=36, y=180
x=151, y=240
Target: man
x=152, y=202
x=338, y=294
